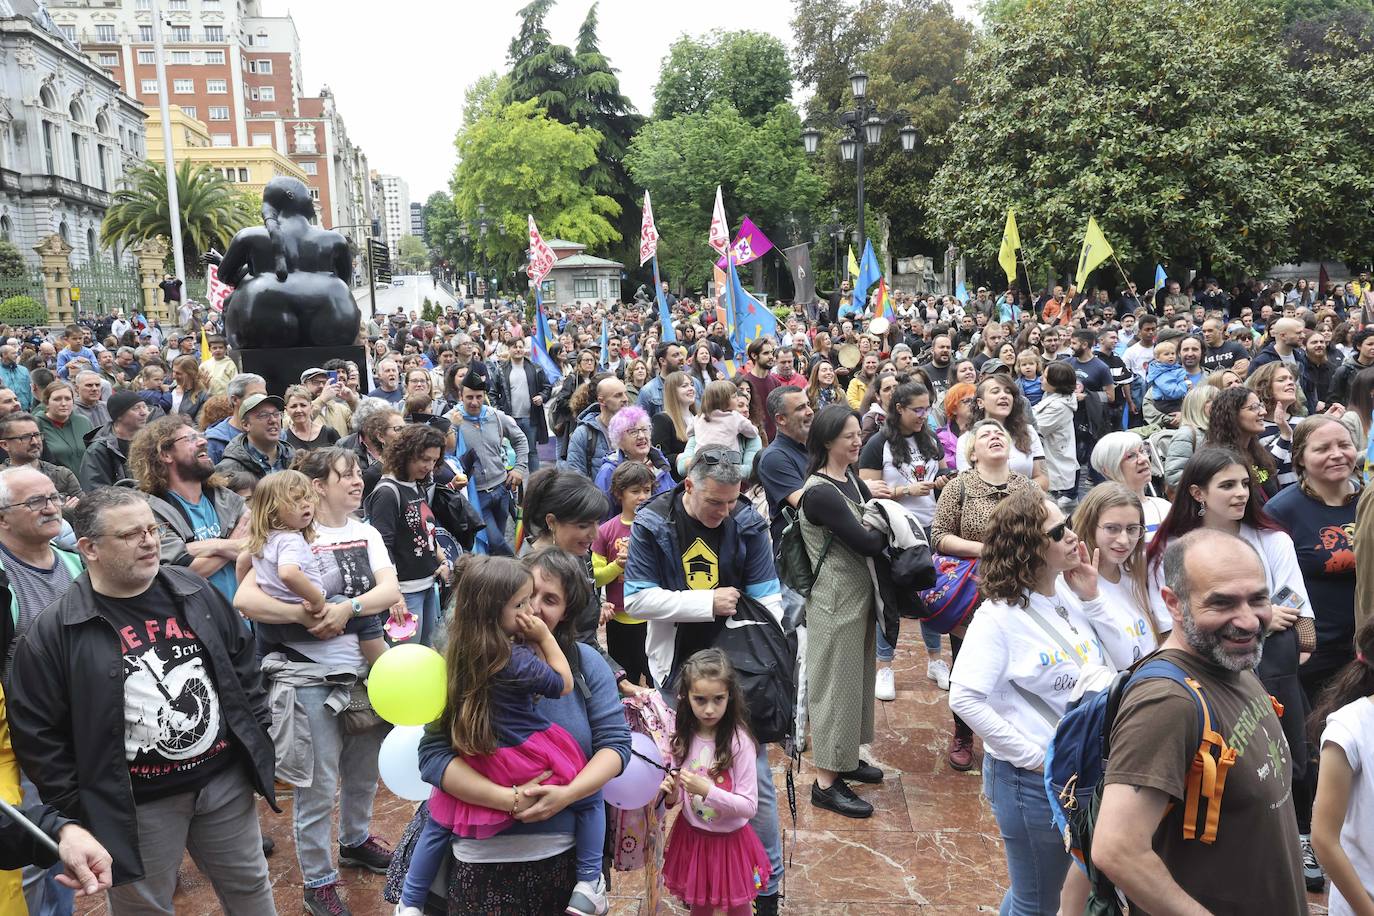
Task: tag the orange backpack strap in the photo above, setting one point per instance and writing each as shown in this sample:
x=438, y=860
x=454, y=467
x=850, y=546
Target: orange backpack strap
x=1207, y=776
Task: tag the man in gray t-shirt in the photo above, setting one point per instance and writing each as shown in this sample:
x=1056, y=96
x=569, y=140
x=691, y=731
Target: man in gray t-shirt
x=36, y=573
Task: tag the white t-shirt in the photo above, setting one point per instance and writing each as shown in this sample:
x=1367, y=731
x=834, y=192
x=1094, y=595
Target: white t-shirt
x=1137, y=357
x=348, y=556
x=1006, y=649
x=1018, y=462
x=1351, y=728
x=916, y=471
x=1121, y=622
x=1156, y=508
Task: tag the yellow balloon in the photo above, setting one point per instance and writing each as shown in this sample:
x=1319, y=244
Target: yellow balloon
x=408, y=685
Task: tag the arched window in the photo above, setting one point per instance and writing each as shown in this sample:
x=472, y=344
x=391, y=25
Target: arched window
x=75, y=110
x=102, y=124
x=90, y=246
x=6, y=227
x=63, y=233
x=47, y=98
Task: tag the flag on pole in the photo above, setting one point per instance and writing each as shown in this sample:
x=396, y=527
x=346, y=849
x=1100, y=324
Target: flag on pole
x=542, y=257
x=1096, y=249
x=648, y=233
x=719, y=236
x=803, y=283
x=542, y=260
x=1161, y=278
x=605, y=341
x=752, y=319
x=1011, y=242
x=204, y=347
x=882, y=307
x=853, y=265
x=869, y=274
x=216, y=290
x=750, y=245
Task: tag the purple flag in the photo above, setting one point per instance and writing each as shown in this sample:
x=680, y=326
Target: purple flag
x=750, y=245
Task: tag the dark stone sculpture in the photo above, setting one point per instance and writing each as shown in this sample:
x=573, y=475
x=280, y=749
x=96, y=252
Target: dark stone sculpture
x=292, y=280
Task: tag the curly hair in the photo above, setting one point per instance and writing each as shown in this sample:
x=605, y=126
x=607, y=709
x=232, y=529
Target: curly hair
x=1225, y=432
x=1261, y=382
x=145, y=455
x=1017, y=425
x=1014, y=548
x=409, y=444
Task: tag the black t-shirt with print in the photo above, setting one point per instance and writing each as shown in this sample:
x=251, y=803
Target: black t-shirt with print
x=701, y=561
x=175, y=737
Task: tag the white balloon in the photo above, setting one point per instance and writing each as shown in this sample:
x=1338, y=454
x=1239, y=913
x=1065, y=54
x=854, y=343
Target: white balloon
x=398, y=762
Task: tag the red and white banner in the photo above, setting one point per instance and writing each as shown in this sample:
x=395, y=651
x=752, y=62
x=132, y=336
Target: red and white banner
x=720, y=229
x=542, y=257
x=215, y=291
x=648, y=233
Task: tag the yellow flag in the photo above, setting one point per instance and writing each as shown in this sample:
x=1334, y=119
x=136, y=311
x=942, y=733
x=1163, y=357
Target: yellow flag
x=853, y=264
x=1096, y=249
x=204, y=347
x=1011, y=241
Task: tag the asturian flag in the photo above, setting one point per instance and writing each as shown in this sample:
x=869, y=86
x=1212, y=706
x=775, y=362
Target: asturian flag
x=648, y=233
x=720, y=230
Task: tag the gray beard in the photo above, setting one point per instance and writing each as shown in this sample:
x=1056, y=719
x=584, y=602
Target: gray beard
x=1208, y=645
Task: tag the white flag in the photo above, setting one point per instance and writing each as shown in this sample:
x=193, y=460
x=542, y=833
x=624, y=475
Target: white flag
x=648, y=233
x=720, y=229
x=542, y=257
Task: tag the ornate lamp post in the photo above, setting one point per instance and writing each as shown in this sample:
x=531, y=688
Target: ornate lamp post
x=861, y=127
x=483, y=224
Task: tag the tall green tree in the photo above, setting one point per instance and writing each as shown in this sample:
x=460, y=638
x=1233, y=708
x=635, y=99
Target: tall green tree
x=212, y=209
x=828, y=38
x=518, y=161
x=539, y=68
x=412, y=254
x=747, y=69
x=485, y=94
x=441, y=227
x=1177, y=126
x=761, y=169
x=12, y=263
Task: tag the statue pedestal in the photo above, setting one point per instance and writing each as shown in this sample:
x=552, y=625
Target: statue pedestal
x=282, y=368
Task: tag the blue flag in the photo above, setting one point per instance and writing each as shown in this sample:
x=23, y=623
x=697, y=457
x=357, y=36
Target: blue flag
x=751, y=317
x=665, y=317
x=539, y=346
x=869, y=274
x=1161, y=278
x=961, y=291
x=605, y=341
x=461, y=462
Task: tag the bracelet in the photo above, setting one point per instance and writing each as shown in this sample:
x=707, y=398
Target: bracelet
x=515, y=803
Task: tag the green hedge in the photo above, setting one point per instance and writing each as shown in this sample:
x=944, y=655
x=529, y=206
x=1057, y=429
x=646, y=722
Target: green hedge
x=23, y=311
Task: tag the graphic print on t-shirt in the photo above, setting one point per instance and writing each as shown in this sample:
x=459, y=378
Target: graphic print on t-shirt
x=1339, y=542
x=344, y=567
x=172, y=717
x=701, y=565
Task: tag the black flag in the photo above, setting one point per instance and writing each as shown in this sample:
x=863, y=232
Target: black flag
x=803, y=283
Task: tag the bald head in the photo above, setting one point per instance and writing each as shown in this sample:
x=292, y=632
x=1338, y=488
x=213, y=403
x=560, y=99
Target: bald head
x=610, y=394
x=1217, y=593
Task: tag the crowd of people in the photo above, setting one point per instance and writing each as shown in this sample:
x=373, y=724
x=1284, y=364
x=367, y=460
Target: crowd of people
x=1178, y=474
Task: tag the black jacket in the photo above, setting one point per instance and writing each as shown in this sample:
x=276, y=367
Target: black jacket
x=538, y=386
x=66, y=707
x=104, y=464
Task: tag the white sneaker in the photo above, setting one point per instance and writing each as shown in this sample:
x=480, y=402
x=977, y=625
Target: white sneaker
x=938, y=671
x=589, y=899
x=885, y=688
x=406, y=911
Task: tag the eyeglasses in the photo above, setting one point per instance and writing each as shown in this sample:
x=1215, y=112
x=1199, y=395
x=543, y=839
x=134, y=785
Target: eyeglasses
x=1257, y=407
x=968, y=402
x=37, y=503
x=1057, y=533
x=268, y=415
x=1115, y=531
x=134, y=536
x=189, y=437
x=24, y=437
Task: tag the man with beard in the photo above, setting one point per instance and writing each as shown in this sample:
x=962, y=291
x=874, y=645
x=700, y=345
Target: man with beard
x=1217, y=593
x=202, y=523
x=22, y=440
x=761, y=381
x=941, y=351
x=259, y=449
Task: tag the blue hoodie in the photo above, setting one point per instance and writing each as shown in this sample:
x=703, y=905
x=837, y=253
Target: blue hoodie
x=1167, y=382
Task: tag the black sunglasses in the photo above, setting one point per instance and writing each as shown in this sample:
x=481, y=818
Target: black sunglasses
x=1057, y=533
x=715, y=456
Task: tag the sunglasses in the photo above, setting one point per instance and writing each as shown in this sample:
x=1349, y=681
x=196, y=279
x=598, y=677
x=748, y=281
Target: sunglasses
x=1057, y=533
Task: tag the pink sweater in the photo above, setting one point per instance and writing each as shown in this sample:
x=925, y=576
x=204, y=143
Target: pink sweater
x=734, y=798
x=722, y=427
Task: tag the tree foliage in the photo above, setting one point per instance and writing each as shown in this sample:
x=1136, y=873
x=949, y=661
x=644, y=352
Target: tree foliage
x=441, y=227
x=412, y=254
x=486, y=94
x=762, y=170
x=11, y=261
x=518, y=161
x=747, y=69
x=212, y=209
x=1176, y=124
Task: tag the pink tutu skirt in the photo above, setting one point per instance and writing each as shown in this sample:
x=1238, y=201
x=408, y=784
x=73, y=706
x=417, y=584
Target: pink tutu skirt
x=722, y=870
x=552, y=749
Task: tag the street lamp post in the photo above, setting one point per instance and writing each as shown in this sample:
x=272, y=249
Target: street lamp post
x=833, y=230
x=482, y=225
x=861, y=127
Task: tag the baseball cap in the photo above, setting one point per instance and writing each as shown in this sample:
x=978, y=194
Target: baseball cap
x=311, y=373
x=254, y=401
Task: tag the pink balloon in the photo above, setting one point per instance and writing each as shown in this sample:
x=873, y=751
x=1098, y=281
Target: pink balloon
x=638, y=783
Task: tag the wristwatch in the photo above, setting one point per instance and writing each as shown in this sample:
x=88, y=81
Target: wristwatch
x=357, y=606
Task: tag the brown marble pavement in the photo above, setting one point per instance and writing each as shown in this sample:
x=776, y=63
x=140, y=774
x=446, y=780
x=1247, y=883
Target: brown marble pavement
x=932, y=846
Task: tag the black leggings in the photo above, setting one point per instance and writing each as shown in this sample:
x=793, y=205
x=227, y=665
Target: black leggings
x=625, y=644
x=1314, y=678
x=961, y=729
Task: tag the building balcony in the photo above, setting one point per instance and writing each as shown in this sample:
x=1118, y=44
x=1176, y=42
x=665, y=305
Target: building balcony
x=54, y=186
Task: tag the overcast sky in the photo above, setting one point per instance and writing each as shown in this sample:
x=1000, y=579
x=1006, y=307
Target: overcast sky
x=399, y=69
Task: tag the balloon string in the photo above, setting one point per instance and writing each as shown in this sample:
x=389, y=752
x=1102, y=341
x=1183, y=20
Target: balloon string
x=651, y=761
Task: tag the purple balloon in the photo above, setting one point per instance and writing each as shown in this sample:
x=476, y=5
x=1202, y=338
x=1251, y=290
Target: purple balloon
x=638, y=783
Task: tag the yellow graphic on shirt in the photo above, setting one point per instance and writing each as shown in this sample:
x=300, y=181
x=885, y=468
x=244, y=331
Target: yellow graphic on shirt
x=701, y=566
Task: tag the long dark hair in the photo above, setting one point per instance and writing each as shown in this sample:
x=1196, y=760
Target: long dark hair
x=566, y=495
x=825, y=429
x=571, y=573
x=1353, y=682
x=1186, y=512
x=710, y=664
x=1224, y=430
x=1017, y=422
x=897, y=441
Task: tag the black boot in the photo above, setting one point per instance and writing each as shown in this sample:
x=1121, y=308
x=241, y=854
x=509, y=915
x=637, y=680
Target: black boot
x=766, y=906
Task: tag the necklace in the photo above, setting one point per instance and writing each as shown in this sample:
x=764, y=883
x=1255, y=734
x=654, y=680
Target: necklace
x=1061, y=610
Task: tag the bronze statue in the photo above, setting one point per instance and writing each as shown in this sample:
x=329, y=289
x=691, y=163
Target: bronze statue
x=292, y=280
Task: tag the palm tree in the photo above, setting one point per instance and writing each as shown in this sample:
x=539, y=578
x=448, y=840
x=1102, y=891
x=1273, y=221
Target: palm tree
x=212, y=209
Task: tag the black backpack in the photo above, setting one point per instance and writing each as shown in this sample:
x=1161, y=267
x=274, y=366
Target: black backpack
x=765, y=660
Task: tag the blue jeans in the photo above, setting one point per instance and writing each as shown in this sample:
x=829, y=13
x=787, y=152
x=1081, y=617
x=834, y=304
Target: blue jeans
x=343, y=762
x=1036, y=860
x=886, y=651
x=424, y=605
x=527, y=427
x=494, y=505
x=930, y=637
x=42, y=893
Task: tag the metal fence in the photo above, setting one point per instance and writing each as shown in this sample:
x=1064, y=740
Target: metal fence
x=104, y=287
x=29, y=283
